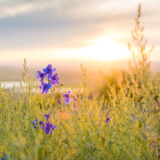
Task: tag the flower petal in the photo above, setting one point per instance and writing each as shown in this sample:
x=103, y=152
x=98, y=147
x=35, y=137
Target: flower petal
x=53, y=127
x=48, y=86
x=58, y=102
x=47, y=116
x=41, y=123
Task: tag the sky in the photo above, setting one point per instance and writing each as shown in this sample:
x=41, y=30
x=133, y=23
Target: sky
x=58, y=30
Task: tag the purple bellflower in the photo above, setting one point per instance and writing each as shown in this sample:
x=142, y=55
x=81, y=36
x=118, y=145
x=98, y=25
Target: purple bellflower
x=66, y=96
x=45, y=87
x=47, y=116
x=41, y=75
x=54, y=79
x=35, y=123
x=108, y=119
x=48, y=128
x=49, y=70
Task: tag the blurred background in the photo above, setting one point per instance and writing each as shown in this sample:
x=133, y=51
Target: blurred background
x=94, y=33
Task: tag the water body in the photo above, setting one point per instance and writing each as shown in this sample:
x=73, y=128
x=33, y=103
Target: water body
x=10, y=84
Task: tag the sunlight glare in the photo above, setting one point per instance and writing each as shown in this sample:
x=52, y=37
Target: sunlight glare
x=104, y=49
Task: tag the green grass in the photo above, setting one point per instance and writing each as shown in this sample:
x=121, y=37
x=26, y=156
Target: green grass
x=132, y=133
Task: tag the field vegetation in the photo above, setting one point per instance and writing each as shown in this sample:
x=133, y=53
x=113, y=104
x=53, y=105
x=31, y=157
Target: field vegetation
x=123, y=123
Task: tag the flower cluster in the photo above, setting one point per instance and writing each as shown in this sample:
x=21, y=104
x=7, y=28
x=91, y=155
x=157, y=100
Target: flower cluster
x=52, y=78
x=35, y=123
x=67, y=99
x=48, y=127
x=5, y=157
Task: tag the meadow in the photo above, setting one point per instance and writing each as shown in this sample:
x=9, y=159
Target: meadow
x=122, y=122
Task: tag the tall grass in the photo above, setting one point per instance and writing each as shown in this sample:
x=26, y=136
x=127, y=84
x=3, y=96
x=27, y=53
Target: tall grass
x=132, y=133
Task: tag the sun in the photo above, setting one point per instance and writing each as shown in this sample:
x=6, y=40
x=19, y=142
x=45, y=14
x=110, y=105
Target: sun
x=105, y=50
x=101, y=49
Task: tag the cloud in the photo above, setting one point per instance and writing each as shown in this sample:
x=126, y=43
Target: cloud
x=48, y=24
x=22, y=8
x=69, y=8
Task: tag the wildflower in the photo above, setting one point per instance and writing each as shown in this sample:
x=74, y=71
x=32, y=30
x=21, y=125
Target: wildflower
x=41, y=75
x=35, y=123
x=47, y=116
x=45, y=87
x=66, y=96
x=5, y=156
x=75, y=104
x=108, y=119
x=58, y=102
x=75, y=99
x=41, y=123
x=48, y=128
x=49, y=69
x=54, y=79
x=75, y=108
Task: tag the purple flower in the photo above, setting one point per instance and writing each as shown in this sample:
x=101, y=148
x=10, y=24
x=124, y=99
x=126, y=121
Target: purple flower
x=41, y=123
x=75, y=99
x=49, y=69
x=45, y=87
x=47, y=116
x=35, y=123
x=54, y=79
x=58, y=102
x=75, y=107
x=48, y=128
x=41, y=75
x=75, y=103
x=66, y=96
x=5, y=156
x=108, y=119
